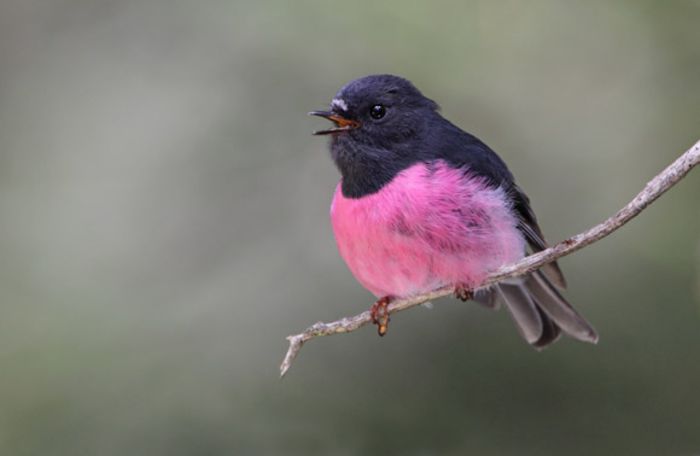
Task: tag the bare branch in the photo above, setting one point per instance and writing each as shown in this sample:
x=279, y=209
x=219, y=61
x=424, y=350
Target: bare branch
x=655, y=188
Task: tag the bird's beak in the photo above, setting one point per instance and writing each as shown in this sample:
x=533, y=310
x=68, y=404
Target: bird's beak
x=342, y=124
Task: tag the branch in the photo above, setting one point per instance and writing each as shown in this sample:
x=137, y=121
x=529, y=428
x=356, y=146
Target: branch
x=655, y=188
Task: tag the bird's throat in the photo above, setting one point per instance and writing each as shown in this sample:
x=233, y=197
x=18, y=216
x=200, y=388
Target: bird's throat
x=364, y=175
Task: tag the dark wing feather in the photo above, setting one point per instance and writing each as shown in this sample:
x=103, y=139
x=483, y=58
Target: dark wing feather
x=523, y=310
x=533, y=234
x=558, y=309
x=533, y=323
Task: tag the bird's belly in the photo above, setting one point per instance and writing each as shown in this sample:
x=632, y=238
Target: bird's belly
x=388, y=265
x=429, y=227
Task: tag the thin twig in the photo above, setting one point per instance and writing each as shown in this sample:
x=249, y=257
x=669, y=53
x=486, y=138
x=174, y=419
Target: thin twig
x=655, y=188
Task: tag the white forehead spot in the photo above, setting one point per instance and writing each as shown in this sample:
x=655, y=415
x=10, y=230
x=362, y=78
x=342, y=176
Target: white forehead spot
x=340, y=103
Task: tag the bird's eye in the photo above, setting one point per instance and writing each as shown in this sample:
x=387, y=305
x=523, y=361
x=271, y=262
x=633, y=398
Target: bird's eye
x=377, y=112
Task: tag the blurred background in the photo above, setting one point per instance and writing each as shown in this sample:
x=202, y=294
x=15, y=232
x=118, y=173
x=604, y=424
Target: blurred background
x=164, y=225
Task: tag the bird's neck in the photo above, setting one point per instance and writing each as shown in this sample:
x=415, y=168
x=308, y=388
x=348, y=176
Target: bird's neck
x=365, y=177
x=364, y=172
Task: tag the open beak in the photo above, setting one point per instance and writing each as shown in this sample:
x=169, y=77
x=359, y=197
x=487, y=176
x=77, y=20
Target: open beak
x=342, y=124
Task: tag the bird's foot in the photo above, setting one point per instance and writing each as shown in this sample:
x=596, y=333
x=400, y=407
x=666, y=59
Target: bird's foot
x=380, y=314
x=463, y=293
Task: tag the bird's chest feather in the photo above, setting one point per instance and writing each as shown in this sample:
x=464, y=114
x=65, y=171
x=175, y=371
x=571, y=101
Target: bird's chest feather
x=432, y=225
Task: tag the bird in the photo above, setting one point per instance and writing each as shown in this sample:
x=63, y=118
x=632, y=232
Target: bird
x=422, y=204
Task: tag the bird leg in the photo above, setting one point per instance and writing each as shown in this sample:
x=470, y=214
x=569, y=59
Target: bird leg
x=380, y=314
x=463, y=292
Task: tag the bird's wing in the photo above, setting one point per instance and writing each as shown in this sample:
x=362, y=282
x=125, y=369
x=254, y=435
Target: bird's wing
x=533, y=234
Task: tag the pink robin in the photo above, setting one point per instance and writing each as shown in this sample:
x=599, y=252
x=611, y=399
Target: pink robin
x=422, y=205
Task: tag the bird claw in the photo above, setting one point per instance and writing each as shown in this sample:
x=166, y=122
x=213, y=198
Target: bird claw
x=464, y=293
x=380, y=314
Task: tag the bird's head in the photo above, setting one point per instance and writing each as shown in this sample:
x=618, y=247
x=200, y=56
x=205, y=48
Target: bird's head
x=377, y=110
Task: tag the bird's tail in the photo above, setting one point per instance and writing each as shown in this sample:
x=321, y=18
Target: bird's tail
x=540, y=312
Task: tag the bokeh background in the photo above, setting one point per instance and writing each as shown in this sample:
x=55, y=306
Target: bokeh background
x=164, y=225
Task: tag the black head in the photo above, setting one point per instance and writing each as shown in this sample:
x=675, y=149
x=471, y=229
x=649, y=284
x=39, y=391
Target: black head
x=379, y=120
x=375, y=109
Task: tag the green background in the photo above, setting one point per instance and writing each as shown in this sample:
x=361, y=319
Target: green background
x=164, y=225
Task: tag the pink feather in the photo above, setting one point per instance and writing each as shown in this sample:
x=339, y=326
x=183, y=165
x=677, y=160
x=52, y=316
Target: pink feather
x=431, y=226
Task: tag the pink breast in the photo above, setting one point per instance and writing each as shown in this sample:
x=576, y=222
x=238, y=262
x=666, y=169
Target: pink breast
x=429, y=227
